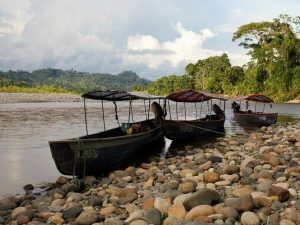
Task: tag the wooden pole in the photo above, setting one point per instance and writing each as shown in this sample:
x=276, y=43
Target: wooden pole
x=85, y=119
x=103, y=117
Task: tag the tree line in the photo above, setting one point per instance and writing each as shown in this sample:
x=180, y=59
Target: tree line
x=68, y=80
x=273, y=69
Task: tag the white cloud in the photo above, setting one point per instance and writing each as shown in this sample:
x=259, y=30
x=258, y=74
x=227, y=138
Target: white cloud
x=14, y=15
x=142, y=42
x=187, y=47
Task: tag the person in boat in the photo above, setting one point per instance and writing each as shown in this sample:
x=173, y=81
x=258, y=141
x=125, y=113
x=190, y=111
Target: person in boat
x=236, y=107
x=158, y=112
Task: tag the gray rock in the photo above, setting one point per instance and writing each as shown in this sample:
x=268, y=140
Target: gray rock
x=72, y=212
x=274, y=219
x=296, y=205
x=128, y=199
x=202, y=197
x=169, y=186
x=153, y=216
x=277, y=205
x=72, y=186
x=95, y=201
x=7, y=202
x=230, y=212
x=215, y=159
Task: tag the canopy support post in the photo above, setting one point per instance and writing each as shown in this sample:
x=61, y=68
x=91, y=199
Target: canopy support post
x=169, y=109
x=264, y=107
x=196, y=109
x=116, y=113
x=176, y=111
x=85, y=119
x=149, y=109
x=103, y=117
x=145, y=109
x=201, y=107
x=184, y=111
x=129, y=111
x=255, y=106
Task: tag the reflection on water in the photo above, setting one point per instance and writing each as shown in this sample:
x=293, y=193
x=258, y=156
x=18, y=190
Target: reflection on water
x=26, y=129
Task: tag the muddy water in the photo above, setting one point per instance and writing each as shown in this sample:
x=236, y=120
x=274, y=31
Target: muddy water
x=26, y=129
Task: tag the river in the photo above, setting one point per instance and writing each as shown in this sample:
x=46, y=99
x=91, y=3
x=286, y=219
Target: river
x=26, y=129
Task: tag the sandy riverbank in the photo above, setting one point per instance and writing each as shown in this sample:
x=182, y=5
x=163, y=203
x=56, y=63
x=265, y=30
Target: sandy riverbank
x=240, y=179
x=36, y=97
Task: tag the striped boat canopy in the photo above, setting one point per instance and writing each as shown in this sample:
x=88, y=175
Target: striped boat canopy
x=253, y=97
x=190, y=95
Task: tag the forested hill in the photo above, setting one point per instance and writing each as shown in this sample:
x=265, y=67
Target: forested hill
x=75, y=81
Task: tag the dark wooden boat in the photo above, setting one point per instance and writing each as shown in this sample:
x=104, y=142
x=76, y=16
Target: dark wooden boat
x=253, y=117
x=184, y=130
x=94, y=154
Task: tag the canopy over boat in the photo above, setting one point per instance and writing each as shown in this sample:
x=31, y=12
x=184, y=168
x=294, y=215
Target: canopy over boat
x=112, y=95
x=193, y=96
x=253, y=97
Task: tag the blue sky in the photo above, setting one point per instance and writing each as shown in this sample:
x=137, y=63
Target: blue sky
x=153, y=38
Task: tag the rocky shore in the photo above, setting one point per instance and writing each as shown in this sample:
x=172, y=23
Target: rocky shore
x=240, y=179
x=36, y=97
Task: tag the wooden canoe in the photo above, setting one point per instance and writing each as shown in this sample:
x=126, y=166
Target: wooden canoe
x=256, y=118
x=101, y=152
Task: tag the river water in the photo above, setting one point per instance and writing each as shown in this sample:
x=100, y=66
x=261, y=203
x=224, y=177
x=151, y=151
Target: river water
x=26, y=129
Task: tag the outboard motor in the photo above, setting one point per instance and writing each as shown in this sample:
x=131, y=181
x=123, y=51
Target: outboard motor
x=217, y=110
x=236, y=107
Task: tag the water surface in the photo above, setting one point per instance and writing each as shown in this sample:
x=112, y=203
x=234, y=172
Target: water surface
x=26, y=129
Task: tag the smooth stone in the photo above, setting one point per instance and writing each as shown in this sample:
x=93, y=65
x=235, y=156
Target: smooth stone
x=153, y=216
x=187, y=187
x=87, y=218
x=286, y=222
x=296, y=205
x=181, y=198
x=122, y=193
x=128, y=199
x=95, y=200
x=200, y=210
x=177, y=211
x=139, y=214
x=282, y=194
x=250, y=218
x=187, y=173
x=162, y=204
x=206, y=166
x=211, y=177
x=277, y=205
x=148, y=203
x=223, y=183
x=28, y=187
x=138, y=222
x=232, y=169
x=174, y=221
x=107, y=210
x=62, y=180
x=230, y=212
x=243, y=203
x=241, y=191
x=20, y=211
x=215, y=159
x=202, y=197
x=57, y=219
x=203, y=219
x=72, y=212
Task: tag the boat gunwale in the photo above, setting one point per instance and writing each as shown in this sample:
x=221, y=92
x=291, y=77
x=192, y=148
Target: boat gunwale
x=255, y=114
x=72, y=140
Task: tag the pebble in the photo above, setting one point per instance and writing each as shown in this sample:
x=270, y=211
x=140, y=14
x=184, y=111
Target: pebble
x=243, y=179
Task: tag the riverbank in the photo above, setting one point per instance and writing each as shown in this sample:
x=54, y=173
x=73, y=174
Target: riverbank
x=239, y=179
x=37, y=97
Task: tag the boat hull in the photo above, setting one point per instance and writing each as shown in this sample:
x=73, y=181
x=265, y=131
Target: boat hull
x=185, y=130
x=260, y=119
x=93, y=156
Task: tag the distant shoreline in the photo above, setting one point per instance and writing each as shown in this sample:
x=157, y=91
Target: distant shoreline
x=6, y=98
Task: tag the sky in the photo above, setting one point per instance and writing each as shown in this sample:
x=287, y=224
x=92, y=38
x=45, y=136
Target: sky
x=153, y=38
